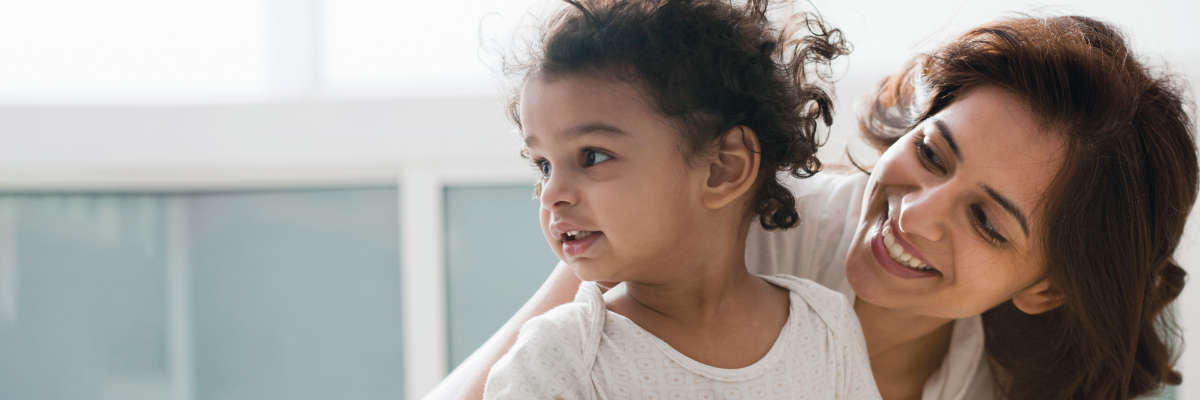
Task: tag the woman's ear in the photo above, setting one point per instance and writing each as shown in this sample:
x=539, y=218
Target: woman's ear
x=733, y=169
x=1039, y=298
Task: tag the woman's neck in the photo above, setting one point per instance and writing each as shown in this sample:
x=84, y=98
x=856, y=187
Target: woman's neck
x=905, y=349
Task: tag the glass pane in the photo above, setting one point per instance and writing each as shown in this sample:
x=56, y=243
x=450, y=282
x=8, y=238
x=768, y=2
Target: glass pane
x=293, y=295
x=86, y=308
x=496, y=258
x=297, y=295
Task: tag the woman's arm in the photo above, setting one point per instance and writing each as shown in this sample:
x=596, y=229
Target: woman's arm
x=466, y=381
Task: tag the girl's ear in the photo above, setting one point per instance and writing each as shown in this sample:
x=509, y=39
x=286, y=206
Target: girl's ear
x=1039, y=298
x=734, y=168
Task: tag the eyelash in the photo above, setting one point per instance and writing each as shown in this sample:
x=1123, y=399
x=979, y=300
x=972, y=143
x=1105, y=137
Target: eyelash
x=543, y=167
x=931, y=161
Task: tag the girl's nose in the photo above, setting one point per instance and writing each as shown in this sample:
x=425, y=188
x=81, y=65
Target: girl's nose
x=557, y=191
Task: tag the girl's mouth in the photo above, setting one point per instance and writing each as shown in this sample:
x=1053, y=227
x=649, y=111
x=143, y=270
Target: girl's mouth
x=576, y=243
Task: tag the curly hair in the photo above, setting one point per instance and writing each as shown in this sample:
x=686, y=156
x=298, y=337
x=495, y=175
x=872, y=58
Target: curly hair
x=709, y=66
x=1114, y=212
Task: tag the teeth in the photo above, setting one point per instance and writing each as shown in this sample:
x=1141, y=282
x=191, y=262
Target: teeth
x=577, y=235
x=899, y=255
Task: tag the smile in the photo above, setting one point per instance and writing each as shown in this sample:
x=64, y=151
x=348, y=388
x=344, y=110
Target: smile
x=896, y=256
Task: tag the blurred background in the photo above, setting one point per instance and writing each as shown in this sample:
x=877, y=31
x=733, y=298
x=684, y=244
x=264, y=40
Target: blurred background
x=311, y=199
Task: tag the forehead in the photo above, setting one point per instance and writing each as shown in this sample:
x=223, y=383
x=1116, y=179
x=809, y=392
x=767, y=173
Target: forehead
x=1003, y=144
x=549, y=107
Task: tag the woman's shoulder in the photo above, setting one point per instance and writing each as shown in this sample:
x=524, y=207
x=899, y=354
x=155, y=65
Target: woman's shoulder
x=831, y=183
x=828, y=208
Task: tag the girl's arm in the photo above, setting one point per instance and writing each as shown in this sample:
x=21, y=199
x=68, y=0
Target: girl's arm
x=466, y=381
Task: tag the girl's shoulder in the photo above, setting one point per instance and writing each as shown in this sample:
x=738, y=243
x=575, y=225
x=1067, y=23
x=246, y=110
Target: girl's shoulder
x=830, y=306
x=575, y=325
x=553, y=352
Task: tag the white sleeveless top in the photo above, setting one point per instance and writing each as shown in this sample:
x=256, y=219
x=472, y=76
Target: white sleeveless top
x=829, y=205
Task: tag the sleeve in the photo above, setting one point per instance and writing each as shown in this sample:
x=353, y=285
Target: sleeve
x=546, y=362
x=856, y=379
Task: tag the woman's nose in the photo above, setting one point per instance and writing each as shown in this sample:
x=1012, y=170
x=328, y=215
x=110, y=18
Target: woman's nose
x=925, y=211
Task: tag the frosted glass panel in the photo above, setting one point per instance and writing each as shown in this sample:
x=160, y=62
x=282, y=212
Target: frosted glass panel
x=246, y=295
x=81, y=282
x=495, y=258
x=297, y=295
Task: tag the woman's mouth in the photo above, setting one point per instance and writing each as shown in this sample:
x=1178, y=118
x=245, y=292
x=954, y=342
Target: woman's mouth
x=895, y=258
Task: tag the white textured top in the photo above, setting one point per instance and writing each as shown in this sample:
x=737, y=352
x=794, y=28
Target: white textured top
x=829, y=205
x=580, y=350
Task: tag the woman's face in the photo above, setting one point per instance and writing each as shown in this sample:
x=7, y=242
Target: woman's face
x=952, y=218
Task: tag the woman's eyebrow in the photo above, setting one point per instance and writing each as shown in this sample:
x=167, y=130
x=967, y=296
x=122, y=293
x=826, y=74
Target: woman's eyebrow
x=1008, y=206
x=945, y=131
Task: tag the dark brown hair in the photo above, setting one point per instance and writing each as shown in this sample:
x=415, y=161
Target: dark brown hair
x=709, y=66
x=1114, y=212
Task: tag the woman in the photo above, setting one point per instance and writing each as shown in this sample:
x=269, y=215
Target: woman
x=1015, y=238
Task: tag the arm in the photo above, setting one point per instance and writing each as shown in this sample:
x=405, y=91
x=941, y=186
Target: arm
x=466, y=381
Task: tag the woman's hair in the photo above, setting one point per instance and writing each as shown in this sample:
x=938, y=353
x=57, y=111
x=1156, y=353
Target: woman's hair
x=709, y=66
x=1114, y=212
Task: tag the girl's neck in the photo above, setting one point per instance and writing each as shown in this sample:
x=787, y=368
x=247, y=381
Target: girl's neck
x=711, y=310
x=695, y=300
x=707, y=276
x=905, y=349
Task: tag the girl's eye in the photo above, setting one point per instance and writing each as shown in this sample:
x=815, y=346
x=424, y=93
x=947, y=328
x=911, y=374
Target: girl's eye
x=928, y=156
x=593, y=157
x=543, y=168
x=986, y=229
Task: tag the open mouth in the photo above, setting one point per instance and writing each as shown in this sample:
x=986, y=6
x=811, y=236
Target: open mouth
x=576, y=235
x=576, y=242
x=897, y=255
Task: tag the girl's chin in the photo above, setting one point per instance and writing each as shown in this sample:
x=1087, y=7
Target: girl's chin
x=589, y=270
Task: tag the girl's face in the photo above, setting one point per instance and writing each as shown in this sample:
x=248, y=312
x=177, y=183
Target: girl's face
x=951, y=223
x=617, y=198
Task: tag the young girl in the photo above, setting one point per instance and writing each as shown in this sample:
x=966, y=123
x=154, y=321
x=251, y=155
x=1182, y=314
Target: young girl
x=659, y=129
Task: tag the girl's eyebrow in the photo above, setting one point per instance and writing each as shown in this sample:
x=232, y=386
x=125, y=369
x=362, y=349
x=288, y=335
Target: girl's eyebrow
x=584, y=129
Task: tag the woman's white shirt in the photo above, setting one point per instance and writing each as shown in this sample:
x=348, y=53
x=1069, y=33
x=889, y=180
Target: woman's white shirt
x=828, y=205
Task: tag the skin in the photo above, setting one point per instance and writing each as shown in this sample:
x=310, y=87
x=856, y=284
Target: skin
x=936, y=209
x=942, y=205
x=671, y=228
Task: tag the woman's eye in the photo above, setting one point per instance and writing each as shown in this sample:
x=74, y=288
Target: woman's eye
x=593, y=157
x=986, y=229
x=928, y=156
x=543, y=167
